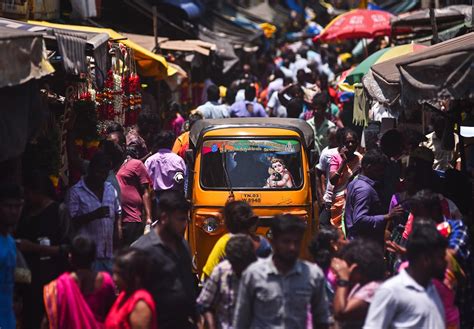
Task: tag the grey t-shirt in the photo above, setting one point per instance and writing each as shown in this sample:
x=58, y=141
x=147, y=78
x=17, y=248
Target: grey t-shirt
x=268, y=299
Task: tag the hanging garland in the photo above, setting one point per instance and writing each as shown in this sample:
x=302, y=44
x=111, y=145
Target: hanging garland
x=120, y=100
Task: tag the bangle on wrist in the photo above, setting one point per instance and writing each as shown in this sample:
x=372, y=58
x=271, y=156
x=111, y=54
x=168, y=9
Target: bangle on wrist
x=342, y=283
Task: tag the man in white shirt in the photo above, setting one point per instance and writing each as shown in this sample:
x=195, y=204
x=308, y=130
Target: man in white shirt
x=274, y=107
x=212, y=109
x=325, y=187
x=277, y=83
x=410, y=300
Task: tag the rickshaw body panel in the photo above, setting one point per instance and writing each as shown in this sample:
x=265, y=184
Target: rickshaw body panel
x=208, y=203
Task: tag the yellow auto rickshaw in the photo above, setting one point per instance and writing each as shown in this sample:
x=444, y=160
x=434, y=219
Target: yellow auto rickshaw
x=264, y=161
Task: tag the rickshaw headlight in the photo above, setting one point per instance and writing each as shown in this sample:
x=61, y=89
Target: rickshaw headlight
x=210, y=225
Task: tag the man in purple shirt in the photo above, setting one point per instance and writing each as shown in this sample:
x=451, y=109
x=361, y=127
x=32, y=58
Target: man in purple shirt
x=364, y=214
x=165, y=168
x=248, y=107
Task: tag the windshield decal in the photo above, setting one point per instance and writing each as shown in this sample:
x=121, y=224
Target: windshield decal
x=277, y=146
x=251, y=164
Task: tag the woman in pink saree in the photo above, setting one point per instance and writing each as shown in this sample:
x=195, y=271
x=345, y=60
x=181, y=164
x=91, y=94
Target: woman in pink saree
x=80, y=299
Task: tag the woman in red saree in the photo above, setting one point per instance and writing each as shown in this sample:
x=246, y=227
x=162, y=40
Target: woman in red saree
x=80, y=299
x=134, y=307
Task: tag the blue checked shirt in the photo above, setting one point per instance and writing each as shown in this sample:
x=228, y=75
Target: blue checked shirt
x=458, y=240
x=81, y=200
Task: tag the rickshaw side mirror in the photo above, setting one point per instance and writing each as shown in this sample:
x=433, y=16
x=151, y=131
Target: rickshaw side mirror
x=313, y=158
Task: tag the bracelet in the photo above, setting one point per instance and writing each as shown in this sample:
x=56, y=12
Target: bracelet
x=342, y=283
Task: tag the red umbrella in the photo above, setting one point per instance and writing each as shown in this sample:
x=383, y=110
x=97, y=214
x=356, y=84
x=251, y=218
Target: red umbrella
x=356, y=24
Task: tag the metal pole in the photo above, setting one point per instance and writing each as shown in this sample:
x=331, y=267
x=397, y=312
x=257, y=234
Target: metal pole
x=366, y=51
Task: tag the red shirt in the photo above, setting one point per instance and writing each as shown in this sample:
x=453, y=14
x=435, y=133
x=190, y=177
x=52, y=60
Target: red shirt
x=131, y=176
x=119, y=315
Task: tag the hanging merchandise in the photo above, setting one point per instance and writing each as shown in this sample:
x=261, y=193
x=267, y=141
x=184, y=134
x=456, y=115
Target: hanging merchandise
x=120, y=100
x=132, y=98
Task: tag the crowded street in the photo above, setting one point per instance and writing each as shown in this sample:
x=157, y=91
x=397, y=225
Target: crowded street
x=230, y=164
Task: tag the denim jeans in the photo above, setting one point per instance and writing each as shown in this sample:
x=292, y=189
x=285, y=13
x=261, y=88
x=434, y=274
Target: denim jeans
x=103, y=265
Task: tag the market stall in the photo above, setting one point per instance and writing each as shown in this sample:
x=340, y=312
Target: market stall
x=24, y=63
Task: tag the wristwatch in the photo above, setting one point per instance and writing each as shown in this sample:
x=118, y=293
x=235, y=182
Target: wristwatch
x=342, y=283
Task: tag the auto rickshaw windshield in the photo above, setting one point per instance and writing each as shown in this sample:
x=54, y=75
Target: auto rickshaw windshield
x=251, y=164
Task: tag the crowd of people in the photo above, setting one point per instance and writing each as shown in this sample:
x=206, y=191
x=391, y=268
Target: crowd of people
x=392, y=249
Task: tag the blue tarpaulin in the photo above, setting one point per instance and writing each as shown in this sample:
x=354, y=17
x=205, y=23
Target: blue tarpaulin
x=192, y=8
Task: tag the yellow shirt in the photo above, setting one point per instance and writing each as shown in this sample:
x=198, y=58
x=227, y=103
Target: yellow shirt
x=180, y=143
x=216, y=256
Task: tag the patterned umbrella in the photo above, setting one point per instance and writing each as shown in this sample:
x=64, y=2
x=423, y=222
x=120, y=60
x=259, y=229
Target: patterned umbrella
x=380, y=56
x=356, y=24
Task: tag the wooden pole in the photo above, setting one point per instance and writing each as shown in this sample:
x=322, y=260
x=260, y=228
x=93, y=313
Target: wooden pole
x=155, y=27
x=434, y=26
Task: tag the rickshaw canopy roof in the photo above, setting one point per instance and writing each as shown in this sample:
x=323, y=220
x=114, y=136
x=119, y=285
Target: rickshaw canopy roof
x=298, y=125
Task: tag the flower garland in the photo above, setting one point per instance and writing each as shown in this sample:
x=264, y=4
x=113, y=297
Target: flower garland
x=120, y=100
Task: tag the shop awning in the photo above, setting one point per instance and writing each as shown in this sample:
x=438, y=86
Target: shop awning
x=442, y=70
x=22, y=57
x=452, y=14
x=445, y=70
x=198, y=46
x=149, y=64
x=146, y=41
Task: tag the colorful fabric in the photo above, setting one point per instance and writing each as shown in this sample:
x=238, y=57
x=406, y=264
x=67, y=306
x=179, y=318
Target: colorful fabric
x=101, y=300
x=175, y=125
x=132, y=176
x=339, y=192
x=66, y=307
x=447, y=296
x=219, y=294
x=458, y=240
x=81, y=200
x=119, y=315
